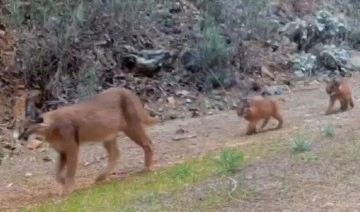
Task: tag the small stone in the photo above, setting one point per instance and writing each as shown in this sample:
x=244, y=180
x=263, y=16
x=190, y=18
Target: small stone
x=248, y=176
x=34, y=144
x=10, y=185
x=182, y=93
x=28, y=174
x=180, y=131
x=277, y=89
x=86, y=163
x=47, y=159
x=192, y=107
x=266, y=72
x=176, y=8
x=195, y=114
x=159, y=6
x=299, y=74
x=9, y=146
x=173, y=116
x=328, y=205
x=171, y=100
x=188, y=100
x=314, y=83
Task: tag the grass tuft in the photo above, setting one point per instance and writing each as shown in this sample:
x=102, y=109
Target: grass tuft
x=230, y=160
x=328, y=130
x=115, y=195
x=309, y=157
x=300, y=144
x=182, y=172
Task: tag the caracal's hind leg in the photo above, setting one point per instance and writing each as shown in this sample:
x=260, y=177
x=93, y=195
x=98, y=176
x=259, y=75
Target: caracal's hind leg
x=344, y=104
x=280, y=120
x=351, y=102
x=113, y=155
x=138, y=135
x=71, y=150
x=265, y=122
x=61, y=168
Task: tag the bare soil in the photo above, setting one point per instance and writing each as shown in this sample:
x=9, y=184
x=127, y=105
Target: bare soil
x=303, y=110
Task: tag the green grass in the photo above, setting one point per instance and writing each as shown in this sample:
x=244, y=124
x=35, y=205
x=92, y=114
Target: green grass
x=183, y=172
x=309, y=157
x=116, y=195
x=328, y=130
x=300, y=144
x=230, y=160
x=125, y=194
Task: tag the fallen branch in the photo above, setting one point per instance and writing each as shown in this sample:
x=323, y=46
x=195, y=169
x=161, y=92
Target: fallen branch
x=9, y=124
x=233, y=189
x=184, y=137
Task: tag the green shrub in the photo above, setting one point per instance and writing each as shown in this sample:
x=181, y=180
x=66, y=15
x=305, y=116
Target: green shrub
x=213, y=51
x=230, y=160
x=213, y=8
x=300, y=144
x=328, y=130
x=181, y=172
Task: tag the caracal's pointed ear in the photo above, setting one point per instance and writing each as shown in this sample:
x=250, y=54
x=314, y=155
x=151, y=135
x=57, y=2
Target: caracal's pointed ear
x=245, y=101
x=247, y=110
x=337, y=82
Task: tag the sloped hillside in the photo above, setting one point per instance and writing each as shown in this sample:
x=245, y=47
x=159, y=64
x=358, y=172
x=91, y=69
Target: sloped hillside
x=184, y=58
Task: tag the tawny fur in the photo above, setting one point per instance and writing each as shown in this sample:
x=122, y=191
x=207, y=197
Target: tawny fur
x=100, y=118
x=257, y=108
x=341, y=90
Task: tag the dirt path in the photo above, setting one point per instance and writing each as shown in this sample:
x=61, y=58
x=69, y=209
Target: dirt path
x=301, y=108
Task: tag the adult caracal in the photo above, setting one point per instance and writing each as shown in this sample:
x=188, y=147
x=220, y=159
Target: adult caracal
x=99, y=118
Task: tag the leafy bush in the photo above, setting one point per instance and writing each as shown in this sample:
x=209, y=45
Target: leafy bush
x=352, y=9
x=214, y=51
x=55, y=55
x=90, y=82
x=213, y=8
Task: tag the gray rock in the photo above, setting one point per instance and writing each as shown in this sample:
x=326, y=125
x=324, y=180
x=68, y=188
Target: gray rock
x=333, y=56
x=299, y=74
x=325, y=21
x=28, y=174
x=176, y=8
x=317, y=49
x=291, y=28
x=277, y=89
x=355, y=60
x=147, y=62
x=303, y=62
